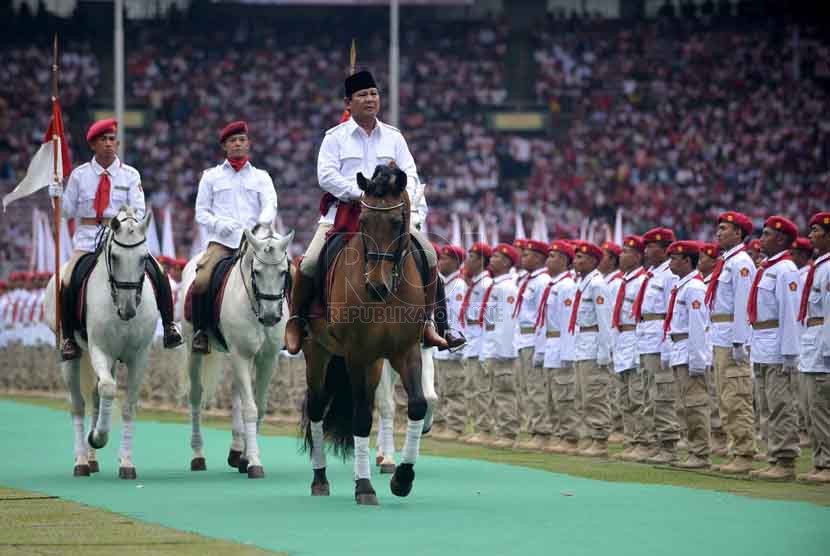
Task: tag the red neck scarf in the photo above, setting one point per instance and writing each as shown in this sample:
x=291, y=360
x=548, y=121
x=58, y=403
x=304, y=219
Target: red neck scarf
x=713, y=280
x=637, y=309
x=543, y=305
x=102, y=196
x=462, y=316
x=521, y=297
x=484, y=301
x=238, y=163
x=808, y=285
x=572, y=321
x=615, y=320
x=752, y=302
x=672, y=300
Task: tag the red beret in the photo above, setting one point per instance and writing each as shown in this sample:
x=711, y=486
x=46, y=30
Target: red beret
x=109, y=125
x=803, y=244
x=3, y=284
x=563, y=246
x=710, y=249
x=45, y=275
x=783, y=225
x=455, y=252
x=635, y=242
x=233, y=128
x=737, y=218
x=822, y=219
x=613, y=247
x=684, y=247
x=482, y=249
x=520, y=243
x=755, y=245
x=509, y=251
x=588, y=248
x=536, y=245
x=663, y=235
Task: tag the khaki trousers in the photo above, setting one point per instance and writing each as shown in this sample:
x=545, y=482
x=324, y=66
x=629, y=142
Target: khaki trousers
x=504, y=410
x=649, y=365
x=617, y=417
x=803, y=412
x=777, y=403
x=563, y=382
x=453, y=406
x=66, y=275
x=663, y=399
x=523, y=369
x=630, y=387
x=595, y=382
x=481, y=395
x=714, y=409
x=694, y=399
x=214, y=253
x=538, y=403
x=308, y=265
x=817, y=386
x=733, y=382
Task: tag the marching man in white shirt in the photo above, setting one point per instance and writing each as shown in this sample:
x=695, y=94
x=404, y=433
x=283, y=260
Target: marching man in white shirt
x=232, y=197
x=590, y=321
x=686, y=322
x=480, y=387
x=814, y=315
x=499, y=355
x=448, y=363
x=709, y=253
x=94, y=193
x=626, y=356
x=772, y=309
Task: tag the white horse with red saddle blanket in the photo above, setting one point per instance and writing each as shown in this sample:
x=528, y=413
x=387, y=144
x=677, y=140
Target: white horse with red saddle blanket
x=253, y=306
x=121, y=315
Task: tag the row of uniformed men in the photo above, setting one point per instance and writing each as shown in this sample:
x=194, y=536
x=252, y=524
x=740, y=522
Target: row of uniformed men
x=550, y=326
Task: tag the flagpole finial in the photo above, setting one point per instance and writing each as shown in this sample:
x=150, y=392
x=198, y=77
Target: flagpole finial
x=353, y=57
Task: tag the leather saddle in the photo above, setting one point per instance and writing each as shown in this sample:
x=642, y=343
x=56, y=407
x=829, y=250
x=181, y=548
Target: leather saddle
x=212, y=299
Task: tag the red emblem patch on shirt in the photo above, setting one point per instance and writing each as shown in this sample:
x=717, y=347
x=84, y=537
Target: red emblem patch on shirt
x=793, y=287
x=695, y=304
x=510, y=299
x=744, y=272
x=600, y=300
x=459, y=297
x=568, y=302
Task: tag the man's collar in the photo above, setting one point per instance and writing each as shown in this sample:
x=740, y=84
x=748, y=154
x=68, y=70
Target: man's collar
x=822, y=259
x=354, y=126
x=688, y=278
x=481, y=275
x=775, y=258
x=560, y=275
x=502, y=277
x=633, y=273
x=98, y=169
x=733, y=250
x=590, y=276
x=452, y=276
x=538, y=272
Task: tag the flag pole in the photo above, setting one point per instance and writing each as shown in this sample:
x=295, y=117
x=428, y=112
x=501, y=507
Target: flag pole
x=56, y=201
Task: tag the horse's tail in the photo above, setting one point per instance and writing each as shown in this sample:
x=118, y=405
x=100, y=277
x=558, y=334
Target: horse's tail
x=337, y=416
x=212, y=366
x=89, y=380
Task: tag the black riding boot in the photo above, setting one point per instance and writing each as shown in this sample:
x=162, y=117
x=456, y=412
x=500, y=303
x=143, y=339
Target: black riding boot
x=442, y=326
x=201, y=342
x=70, y=350
x=164, y=301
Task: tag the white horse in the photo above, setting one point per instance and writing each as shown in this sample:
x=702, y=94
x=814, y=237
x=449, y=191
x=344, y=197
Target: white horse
x=385, y=400
x=252, y=323
x=121, y=315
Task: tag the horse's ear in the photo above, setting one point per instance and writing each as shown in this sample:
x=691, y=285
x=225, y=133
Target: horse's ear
x=400, y=180
x=252, y=239
x=115, y=224
x=285, y=241
x=145, y=223
x=362, y=182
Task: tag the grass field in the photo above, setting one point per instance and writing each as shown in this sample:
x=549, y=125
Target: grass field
x=36, y=524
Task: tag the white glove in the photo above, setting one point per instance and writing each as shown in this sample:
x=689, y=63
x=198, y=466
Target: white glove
x=740, y=353
x=227, y=227
x=55, y=190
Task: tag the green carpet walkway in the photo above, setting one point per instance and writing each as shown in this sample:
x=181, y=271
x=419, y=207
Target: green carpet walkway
x=457, y=507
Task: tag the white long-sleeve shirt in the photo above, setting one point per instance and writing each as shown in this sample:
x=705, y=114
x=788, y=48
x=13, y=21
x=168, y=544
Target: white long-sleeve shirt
x=246, y=197
x=557, y=315
x=594, y=310
x=530, y=291
x=690, y=316
x=454, y=288
x=734, y=283
x=815, y=340
x=472, y=326
x=498, y=340
x=656, y=301
x=626, y=355
x=779, y=297
x=347, y=149
x=79, y=196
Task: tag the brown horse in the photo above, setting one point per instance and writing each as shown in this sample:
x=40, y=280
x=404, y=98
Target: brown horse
x=376, y=311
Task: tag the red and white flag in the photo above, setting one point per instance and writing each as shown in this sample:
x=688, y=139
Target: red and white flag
x=41, y=169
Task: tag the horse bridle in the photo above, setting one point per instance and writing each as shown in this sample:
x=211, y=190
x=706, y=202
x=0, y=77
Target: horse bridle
x=258, y=296
x=397, y=257
x=116, y=285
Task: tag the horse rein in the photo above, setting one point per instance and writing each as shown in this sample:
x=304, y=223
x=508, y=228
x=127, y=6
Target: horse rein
x=116, y=285
x=258, y=296
x=395, y=258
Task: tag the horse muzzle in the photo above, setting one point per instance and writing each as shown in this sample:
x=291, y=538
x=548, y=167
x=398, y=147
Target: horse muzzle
x=377, y=292
x=127, y=314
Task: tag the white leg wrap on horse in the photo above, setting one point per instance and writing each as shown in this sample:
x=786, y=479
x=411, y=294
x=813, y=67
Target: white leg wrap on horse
x=388, y=438
x=361, y=457
x=127, y=430
x=105, y=417
x=80, y=438
x=237, y=441
x=251, y=447
x=412, y=444
x=196, y=430
x=318, y=453
x=237, y=425
x=379, y=438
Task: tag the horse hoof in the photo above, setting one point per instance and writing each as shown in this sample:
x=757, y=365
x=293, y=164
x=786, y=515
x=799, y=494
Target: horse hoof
x=102, y=441
x=378, y=459
x=93, y=466
x=364, y=494
x=81, y=471
x=387, y=468
x=401, y=483
x=127, y=473
x=320, y=489
x=243, y=465
x=233, y=458
x=198, y=464
x=256, y=472
x=366, y=499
